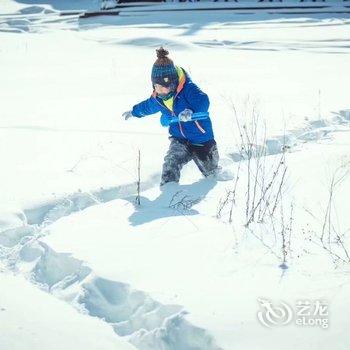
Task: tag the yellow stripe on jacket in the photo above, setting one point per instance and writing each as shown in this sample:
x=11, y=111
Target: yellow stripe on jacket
x=169, y=103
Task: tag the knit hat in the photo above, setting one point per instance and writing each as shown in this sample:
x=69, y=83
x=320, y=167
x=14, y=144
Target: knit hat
x=164, y=72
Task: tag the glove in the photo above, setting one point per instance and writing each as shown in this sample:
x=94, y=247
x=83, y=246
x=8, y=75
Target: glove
x=185, y=115
x=127, y=115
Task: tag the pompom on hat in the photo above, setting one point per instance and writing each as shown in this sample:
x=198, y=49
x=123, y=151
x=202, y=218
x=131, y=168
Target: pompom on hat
x=164, y=71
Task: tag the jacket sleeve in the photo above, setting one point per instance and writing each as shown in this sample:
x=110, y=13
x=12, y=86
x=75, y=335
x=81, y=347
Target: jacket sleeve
x=147, y=107
x=197, y=99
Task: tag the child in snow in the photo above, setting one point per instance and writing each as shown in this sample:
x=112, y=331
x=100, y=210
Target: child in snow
x=177, y=97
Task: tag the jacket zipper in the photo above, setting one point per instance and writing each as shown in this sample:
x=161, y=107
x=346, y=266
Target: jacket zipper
x=180, y=126
x=173, y=114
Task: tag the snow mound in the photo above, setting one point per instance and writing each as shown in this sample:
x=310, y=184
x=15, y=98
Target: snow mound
x=132, y=313
x=35, y=9
x=50, y=211
x=312, y=131
x=177, y=333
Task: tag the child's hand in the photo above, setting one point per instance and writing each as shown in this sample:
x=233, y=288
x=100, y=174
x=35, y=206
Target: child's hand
x=127, y=115
x=185, y=115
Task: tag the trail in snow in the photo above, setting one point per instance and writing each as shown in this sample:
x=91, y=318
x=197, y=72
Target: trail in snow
x=132, y=313
x=49, y=212
x=146, y=323
x=294, y=139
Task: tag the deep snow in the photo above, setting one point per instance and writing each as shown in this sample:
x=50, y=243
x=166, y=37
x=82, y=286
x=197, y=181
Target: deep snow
x=168, y=274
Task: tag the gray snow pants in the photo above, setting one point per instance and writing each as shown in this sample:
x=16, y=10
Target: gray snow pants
x=205, y=155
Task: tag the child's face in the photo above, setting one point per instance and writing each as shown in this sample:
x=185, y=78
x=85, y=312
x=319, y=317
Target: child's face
x=161, y=90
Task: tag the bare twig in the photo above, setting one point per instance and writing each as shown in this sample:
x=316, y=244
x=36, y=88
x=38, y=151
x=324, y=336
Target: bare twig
x=138, y=197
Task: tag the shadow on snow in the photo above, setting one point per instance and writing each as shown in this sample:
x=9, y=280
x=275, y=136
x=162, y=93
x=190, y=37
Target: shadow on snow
x=174, y=200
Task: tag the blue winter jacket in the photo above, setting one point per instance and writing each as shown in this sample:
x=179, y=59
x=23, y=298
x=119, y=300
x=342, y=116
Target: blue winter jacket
x=188, y=95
